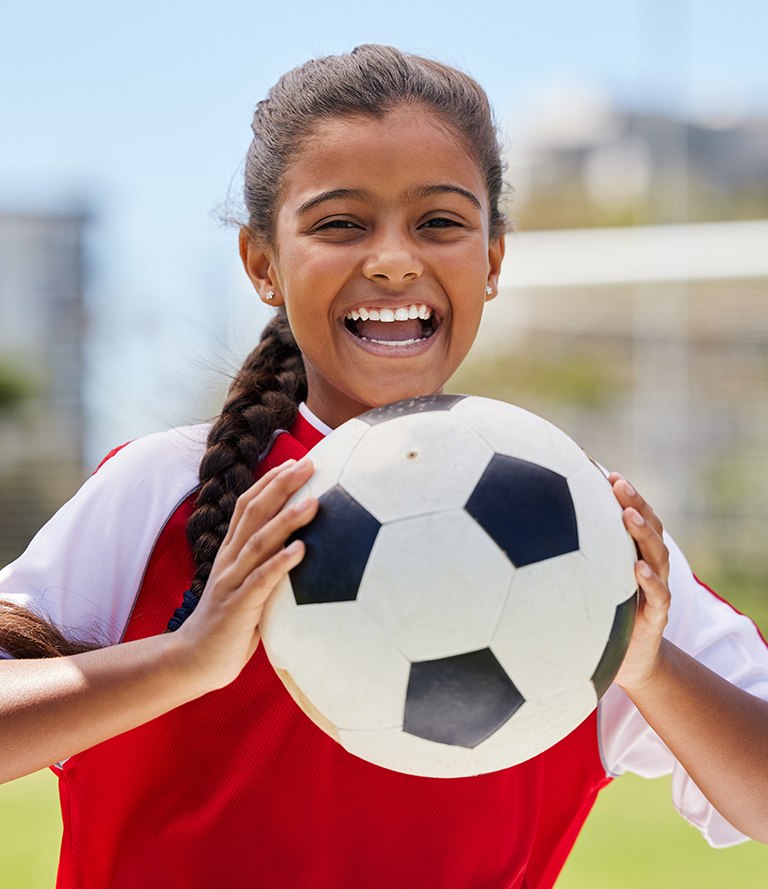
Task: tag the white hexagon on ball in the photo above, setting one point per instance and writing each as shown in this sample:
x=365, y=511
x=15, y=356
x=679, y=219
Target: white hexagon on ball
x=554, y=625
x=433, y=607
x=403, y=468
x=516, y=432
x=338, y=658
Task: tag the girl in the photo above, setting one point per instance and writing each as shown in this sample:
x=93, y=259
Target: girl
x=372, y=186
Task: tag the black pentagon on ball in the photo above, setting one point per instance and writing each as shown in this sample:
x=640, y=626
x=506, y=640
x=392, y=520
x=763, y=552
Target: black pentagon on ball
x=410, y=406
x=525, y=509
x=459, y=700
x=338, y=540
x=616, y=647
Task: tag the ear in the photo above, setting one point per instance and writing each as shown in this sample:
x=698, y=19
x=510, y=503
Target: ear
x=258, y=259
x=495, y=257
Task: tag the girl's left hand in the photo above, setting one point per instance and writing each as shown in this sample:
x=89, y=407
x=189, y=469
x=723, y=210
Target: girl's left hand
x=652, y=573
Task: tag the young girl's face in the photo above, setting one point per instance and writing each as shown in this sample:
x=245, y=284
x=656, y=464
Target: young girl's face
x=380, y=219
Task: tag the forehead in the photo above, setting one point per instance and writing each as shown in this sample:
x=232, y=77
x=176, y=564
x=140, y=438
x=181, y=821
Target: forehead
x=389, y=156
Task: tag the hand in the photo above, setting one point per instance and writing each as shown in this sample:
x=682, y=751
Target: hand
x=652, y=573
x=221, y=635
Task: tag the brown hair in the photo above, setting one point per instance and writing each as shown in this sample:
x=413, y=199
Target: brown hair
x=371, y=80
x=25, y=634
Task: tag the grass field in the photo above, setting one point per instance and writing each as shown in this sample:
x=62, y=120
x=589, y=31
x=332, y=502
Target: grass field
x=634, y=840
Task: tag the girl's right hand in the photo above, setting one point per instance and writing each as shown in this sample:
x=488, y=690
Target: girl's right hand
x=222, y=633
x=52, y=708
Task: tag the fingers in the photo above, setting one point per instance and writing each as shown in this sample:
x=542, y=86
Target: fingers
x=646, y=530
x=264, y=543
x=628, y=497
x=267, y=574
x=256, y=488
x=261, y=523
x=264, y=499
x=652, y=575
x=656, y=598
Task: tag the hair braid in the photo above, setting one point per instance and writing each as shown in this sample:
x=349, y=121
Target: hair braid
x=263, y=398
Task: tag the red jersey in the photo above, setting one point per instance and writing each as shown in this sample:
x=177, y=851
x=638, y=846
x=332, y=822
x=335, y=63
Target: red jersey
x=240, y=789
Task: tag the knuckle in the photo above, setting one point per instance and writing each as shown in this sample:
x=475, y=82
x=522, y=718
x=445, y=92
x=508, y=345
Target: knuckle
x=244, y=502
x=240, y=505
x=286, y=482
x=249, y=506
x=254, y=546
x=268, y=573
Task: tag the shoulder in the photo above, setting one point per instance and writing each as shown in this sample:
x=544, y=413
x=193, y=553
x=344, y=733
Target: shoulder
x=83, y=569
x=134, y=489
x=178, y=450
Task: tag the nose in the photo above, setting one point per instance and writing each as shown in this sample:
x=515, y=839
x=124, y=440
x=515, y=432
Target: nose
x=393, y=258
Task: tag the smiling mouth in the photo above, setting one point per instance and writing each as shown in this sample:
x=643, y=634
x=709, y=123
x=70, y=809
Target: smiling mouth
x=396, y=327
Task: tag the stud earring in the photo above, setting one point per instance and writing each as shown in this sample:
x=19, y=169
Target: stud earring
x=488, y=290
x=269, y=295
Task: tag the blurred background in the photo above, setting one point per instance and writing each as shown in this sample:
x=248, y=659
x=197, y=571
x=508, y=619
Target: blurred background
x=633, y=310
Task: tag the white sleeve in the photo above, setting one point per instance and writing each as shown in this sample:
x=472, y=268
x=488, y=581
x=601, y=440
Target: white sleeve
x=728, y=643
x=83, y=570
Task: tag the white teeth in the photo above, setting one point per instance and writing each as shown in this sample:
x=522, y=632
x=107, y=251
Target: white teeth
x=402, y=313
x=393, y=343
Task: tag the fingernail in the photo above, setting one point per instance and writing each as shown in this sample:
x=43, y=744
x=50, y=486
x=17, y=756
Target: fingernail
x=644, y=569
x=286, y=464
x=637, y=519
x=629, y=489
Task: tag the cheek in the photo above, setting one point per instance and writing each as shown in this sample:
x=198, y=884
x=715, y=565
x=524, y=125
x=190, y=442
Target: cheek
x=313, y=270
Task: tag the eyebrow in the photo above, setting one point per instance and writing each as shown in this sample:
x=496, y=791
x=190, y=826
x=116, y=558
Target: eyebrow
x=331, y=195
x=428, y=190
x=362, y=194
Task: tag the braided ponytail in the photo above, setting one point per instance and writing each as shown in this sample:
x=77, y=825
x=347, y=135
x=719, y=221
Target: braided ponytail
x=263, y=398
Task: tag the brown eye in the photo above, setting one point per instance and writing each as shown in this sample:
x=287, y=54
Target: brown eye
x=336, y=224
x=441, y=222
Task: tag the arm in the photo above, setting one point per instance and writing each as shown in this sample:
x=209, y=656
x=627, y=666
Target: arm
x=718, y=732
x=53, y=708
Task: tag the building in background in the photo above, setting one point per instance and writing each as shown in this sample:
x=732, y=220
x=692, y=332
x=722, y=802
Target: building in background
x=584, y=162
x=42, y=329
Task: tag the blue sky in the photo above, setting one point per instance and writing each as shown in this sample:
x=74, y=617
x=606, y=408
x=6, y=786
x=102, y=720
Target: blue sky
x=141, y=112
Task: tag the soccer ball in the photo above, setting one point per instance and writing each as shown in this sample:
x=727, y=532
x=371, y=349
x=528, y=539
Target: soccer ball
x=467, y=593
